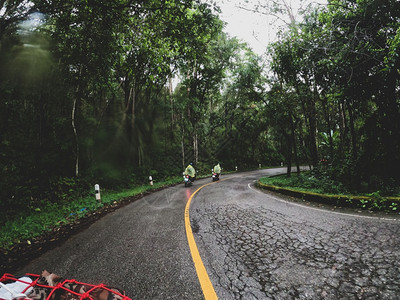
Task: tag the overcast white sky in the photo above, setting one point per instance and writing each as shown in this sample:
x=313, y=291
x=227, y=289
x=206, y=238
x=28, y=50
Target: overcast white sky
x=258, y=30
x=246, y=25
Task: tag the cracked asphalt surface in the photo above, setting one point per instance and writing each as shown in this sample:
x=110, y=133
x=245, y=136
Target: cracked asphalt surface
x=259, y=247
x=254, y=245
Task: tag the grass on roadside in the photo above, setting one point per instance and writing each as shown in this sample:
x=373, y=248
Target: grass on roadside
x=306, y=182
x=307, y=185
x=24, y=228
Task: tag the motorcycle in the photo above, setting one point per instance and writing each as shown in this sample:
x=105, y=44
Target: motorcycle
x=187, y=180
x=215, y=176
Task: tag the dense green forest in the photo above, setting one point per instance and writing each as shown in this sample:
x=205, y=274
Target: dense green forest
x=87, y=95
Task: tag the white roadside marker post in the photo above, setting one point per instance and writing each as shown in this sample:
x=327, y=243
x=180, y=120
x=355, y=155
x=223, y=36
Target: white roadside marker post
x=97, y=192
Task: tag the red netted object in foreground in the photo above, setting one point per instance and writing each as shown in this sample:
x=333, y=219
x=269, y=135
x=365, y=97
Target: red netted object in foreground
x=50, y=286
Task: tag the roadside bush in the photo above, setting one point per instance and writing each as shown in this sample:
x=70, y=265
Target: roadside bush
x=320, y=187
x=313, y=181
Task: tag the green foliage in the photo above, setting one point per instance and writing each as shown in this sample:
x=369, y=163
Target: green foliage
x=109, y=60
x=330, y=189
x=341, y=65
x=394, y=206
x=308, y=181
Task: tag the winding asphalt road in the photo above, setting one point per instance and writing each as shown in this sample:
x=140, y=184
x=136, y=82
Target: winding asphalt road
x=253, y=245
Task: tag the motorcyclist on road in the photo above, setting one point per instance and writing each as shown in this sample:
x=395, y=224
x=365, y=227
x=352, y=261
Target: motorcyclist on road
x=217, y=169
x=191, y=172
x=216, y=172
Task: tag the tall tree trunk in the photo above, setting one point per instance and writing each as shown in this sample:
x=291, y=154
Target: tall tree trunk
x=308, y=104
x=352, y=132
x=308, y=125
x=183, y=145
x=133, y=107
x=328, y=122
x=289, y=156
x=293, y=137
x=313, y=132
x=76, y=137
x=171, y=99
x=390, y=138
x=140, y=159
x=343, y=128
x=73, y=116
x=196, y=147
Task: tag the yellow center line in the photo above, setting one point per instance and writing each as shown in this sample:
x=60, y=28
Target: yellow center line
x=205, y=282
